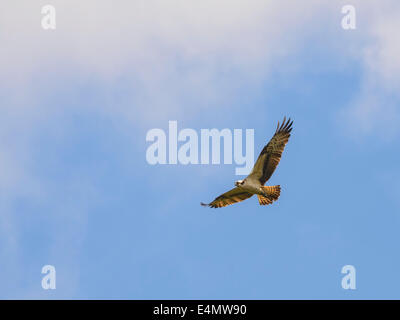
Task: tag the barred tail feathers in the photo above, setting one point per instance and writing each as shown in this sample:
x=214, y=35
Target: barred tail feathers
x=272, y=192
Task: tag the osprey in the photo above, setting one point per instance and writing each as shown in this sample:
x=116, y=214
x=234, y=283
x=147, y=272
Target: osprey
x=263, y=169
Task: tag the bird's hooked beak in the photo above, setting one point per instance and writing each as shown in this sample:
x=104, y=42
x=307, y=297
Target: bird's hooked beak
x=238, y=183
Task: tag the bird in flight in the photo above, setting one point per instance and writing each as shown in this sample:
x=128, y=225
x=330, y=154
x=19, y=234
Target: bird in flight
x=263, y=169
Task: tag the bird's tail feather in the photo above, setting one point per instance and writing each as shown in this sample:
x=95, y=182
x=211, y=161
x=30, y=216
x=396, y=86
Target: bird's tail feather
x=272, y=192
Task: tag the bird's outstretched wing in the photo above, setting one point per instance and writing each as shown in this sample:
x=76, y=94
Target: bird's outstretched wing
x=230, y=197
x=271, y=154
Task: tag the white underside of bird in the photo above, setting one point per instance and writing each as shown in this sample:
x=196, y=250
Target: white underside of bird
x=251, y=185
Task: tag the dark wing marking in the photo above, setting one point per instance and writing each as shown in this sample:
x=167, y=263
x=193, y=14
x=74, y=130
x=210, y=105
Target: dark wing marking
x=230, y=197
x=271, y=154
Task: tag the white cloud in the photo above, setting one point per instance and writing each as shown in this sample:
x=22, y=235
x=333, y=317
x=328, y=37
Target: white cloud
x=376, y=107
x=382, y=56
x=166, y=51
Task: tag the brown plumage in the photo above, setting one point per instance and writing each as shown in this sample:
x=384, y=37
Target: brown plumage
x=271, y=154
x=230, y=197
x=263, y=169
x=273, y=193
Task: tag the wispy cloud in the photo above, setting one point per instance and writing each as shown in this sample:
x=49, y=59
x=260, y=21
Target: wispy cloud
x=376, y=107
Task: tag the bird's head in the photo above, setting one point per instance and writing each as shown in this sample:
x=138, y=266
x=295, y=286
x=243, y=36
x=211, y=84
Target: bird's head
x=239, y=183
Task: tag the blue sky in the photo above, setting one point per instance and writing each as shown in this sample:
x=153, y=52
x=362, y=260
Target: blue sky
x=77, y=193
